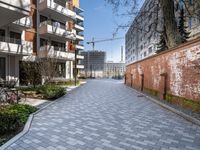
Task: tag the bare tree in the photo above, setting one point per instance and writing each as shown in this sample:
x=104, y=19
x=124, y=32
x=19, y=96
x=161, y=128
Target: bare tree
x=48, y=69
x=30, y=73
x=156, y=7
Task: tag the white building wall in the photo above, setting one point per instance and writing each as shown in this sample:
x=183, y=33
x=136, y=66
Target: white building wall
x=139, y=43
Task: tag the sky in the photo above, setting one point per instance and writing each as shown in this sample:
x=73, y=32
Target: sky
x=100, y=23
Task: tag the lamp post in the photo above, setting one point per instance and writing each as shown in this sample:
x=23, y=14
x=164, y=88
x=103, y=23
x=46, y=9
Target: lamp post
x=75, y=69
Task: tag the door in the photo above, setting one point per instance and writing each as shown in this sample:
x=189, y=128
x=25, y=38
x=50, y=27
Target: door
x=142, y=82
x=2, y=68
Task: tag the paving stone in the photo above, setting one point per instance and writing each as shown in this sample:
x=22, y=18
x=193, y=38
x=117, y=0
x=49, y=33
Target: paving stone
x=106, y=115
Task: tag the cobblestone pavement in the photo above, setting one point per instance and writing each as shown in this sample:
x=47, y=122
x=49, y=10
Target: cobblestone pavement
x=106, y=115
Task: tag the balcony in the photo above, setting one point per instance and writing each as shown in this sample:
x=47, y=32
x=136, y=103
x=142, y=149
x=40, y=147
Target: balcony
x=12, y=10
x=55, y=31
x=80, y=66
x=79, y=47
x=80, y=57
x=80, y=37
x=57, y=11
x=15, y=46
x=79, y=27
x=55, y=52
x=23, y=23
x=79, y=17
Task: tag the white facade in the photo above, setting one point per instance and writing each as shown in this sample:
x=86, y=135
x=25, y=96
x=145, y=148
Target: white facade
x=14, y=19
x=114, y=69
x=52, y=35
x=55, y=33
x=142, y=38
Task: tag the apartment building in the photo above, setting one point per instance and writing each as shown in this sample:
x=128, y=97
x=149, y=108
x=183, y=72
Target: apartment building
x=13, y=45
x=44, y=29
x=114, y=69
x=93, y=63
x=142, y=38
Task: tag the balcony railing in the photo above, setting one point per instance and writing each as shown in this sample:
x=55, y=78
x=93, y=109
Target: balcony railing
x=43, y=4
x=55, y=52
x=15, y=46
x=25, y=22
x=54, y=24
x=10, y=40
x=57, y=29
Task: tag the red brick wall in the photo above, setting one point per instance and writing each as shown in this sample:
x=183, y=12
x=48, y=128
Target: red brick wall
x=179, y=68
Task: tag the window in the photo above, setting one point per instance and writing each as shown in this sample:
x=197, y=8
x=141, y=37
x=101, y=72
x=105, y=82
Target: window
x=15, y=37
x=145, y=54
x=2, y=35
x=150, y=50
x=2, y=68
x=43, y=18
x=190, y=23
x=43, y=42
x=58, y=46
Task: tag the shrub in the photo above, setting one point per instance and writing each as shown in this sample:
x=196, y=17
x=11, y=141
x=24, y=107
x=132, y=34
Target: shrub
x=51, y=91
x=13, y=117
x=48, y=91
x=2, y=141
x=9, y=121
x=23, y=110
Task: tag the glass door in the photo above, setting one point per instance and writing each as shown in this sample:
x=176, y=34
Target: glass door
x=2, y=68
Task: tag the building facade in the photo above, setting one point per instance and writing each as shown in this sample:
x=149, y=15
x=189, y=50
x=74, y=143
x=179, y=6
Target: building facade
x=142, y=38
x=114, y=70
x=39, y=30
x=13, y=45
x=93, y=64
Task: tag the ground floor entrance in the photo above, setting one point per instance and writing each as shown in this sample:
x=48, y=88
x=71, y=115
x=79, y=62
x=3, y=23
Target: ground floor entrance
x=9, y=67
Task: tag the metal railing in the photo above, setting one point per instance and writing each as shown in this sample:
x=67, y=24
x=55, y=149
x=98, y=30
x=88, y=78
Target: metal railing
x=54, y=24
x=26, y=21
x=10, y=40
x=56, y=48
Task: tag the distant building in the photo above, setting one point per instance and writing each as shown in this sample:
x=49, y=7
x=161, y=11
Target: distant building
x=93, y=63
x=114, y=69
x=142, y=39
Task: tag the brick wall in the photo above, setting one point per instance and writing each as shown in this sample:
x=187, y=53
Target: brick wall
x=174, y=72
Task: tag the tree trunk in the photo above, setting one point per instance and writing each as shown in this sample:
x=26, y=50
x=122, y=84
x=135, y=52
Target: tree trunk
x=172, y=34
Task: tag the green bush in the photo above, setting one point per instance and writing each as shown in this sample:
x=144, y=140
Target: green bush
x=66, y=83
x=23, y=110
x=2, y=141
x=13, y=117
x=51, y=91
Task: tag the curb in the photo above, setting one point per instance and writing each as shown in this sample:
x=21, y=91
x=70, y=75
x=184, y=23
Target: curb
x=181, y=114
x=30, y=119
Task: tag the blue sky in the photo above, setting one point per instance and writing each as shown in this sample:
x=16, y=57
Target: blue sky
x=100, y=23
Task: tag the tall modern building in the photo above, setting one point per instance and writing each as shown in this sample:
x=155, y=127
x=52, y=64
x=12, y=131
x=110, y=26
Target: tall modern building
x=142, y=38
x=93, y=63
x=38, y=30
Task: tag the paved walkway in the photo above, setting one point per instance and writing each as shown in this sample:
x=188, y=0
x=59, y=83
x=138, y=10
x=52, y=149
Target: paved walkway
x=104, y=114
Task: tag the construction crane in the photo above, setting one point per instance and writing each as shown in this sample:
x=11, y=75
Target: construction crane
x=93, y=42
